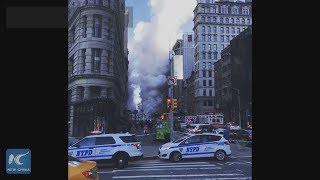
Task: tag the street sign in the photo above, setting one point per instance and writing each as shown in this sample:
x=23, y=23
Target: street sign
x=172, y=80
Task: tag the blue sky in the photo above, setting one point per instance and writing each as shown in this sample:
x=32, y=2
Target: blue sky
x=141, y=12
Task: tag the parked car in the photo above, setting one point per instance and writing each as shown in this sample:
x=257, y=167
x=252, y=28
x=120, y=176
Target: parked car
x=196, y=146
x=236, y=135
x=120, y=148
x=81, y=170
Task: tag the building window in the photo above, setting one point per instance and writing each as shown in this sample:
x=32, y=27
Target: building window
x=235, y=10
x=203, y=65
x=232, y=30
x=214, y=19
x=202, y=19
x=83, y=59
x=222, y=38
x=237, y=21
x=248, y=21
x=210, y=66
x=222, y=47
x=74, y=34
x=203, y=29
x=227, y=20
x=210, y=102
x=209, y=19
x=204, y=83
x=243, y=21
x=189, y=38
x=208, y=9
x=227, y=38
x=214, y=9
x=215, y=55
x=202, y=9
x=71, y=65
x=84, y=21
x=209, y=37
x=210, y=81
x=221, y=30
x=210, y=94
x=203, y=47
x=227, y=30
x=204, y=92
x=214, y=29
x=223, y=10
x=245, y=11
x=232, y=20
x=96, y=60
x=209, y=29
x=214, y=38
x=203, y=55
x=204, y=103
x=97, y=26
x=209, y=47
x=232, y=36
x=221, y=20
x=209, y=55
x=98, y=2
x=238, y=30
x=215, y=47
x=203, y=37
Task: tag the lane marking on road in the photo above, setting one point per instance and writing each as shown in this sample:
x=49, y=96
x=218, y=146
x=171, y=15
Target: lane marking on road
x=239, y=170
x=173, y=166
x=174, y=175
x=176, y=169
x=220, y=164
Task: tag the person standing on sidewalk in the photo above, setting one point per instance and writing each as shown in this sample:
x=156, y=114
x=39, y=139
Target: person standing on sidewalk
x=226, y=133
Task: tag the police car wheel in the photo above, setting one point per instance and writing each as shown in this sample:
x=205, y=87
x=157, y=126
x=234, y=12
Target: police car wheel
x=220, y=155
x=176, y=157
x=120, y=161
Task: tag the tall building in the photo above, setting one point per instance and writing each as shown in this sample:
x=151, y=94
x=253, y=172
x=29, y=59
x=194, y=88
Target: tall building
x=234, y=79
x=215, y=24
x=97, y=65
x=185, y=48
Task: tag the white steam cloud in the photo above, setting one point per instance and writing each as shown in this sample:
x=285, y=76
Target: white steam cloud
x=149, y=50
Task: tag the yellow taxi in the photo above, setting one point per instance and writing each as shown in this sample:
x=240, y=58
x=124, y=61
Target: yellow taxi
x=78, y=169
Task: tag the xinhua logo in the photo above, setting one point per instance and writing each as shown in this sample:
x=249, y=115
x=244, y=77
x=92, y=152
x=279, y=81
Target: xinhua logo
x=18, y=161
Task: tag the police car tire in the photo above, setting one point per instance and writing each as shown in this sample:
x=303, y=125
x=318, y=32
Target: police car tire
x=175, y=156
x=120, y=160
x=220, y=155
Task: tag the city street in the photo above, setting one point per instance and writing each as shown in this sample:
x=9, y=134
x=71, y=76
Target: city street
x=233, y=168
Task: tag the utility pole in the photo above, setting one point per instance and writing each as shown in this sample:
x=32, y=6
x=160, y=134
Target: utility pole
x=171, y=96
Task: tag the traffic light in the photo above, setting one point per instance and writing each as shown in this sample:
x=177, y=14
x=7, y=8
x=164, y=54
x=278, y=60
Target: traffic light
x=168, y=104
x=174, y=104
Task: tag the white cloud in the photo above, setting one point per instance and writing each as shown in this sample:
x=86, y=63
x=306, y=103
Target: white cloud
x=150, y=45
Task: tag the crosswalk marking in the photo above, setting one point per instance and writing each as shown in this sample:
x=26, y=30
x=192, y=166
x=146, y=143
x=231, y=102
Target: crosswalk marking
x=176, y=169
x=174, y=175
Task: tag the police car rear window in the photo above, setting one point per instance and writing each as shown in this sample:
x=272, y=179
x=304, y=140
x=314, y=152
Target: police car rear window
x=128, y=139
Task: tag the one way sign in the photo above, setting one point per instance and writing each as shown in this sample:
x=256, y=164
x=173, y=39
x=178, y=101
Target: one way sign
x=172, y=80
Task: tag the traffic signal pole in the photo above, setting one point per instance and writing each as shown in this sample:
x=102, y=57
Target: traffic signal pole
x=171, y=115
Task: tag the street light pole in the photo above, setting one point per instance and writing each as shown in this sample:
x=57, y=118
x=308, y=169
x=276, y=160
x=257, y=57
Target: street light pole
x=239, y=105
x=171, y=96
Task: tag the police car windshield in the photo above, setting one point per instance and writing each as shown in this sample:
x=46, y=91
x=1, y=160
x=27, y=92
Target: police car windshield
x=181, y=139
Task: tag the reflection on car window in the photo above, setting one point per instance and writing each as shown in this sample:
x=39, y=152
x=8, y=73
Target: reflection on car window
x=181, y=139
x=86, y=142
x=194, y=139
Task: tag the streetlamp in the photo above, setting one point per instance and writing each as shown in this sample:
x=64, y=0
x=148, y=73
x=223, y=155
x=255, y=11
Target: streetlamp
x=239, y=105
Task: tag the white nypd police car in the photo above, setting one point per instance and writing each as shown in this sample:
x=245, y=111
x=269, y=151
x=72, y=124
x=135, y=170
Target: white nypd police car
x=120, y=148
x=196, y=146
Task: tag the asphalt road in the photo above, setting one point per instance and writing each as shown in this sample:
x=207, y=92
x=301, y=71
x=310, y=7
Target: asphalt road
x=233, y=168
